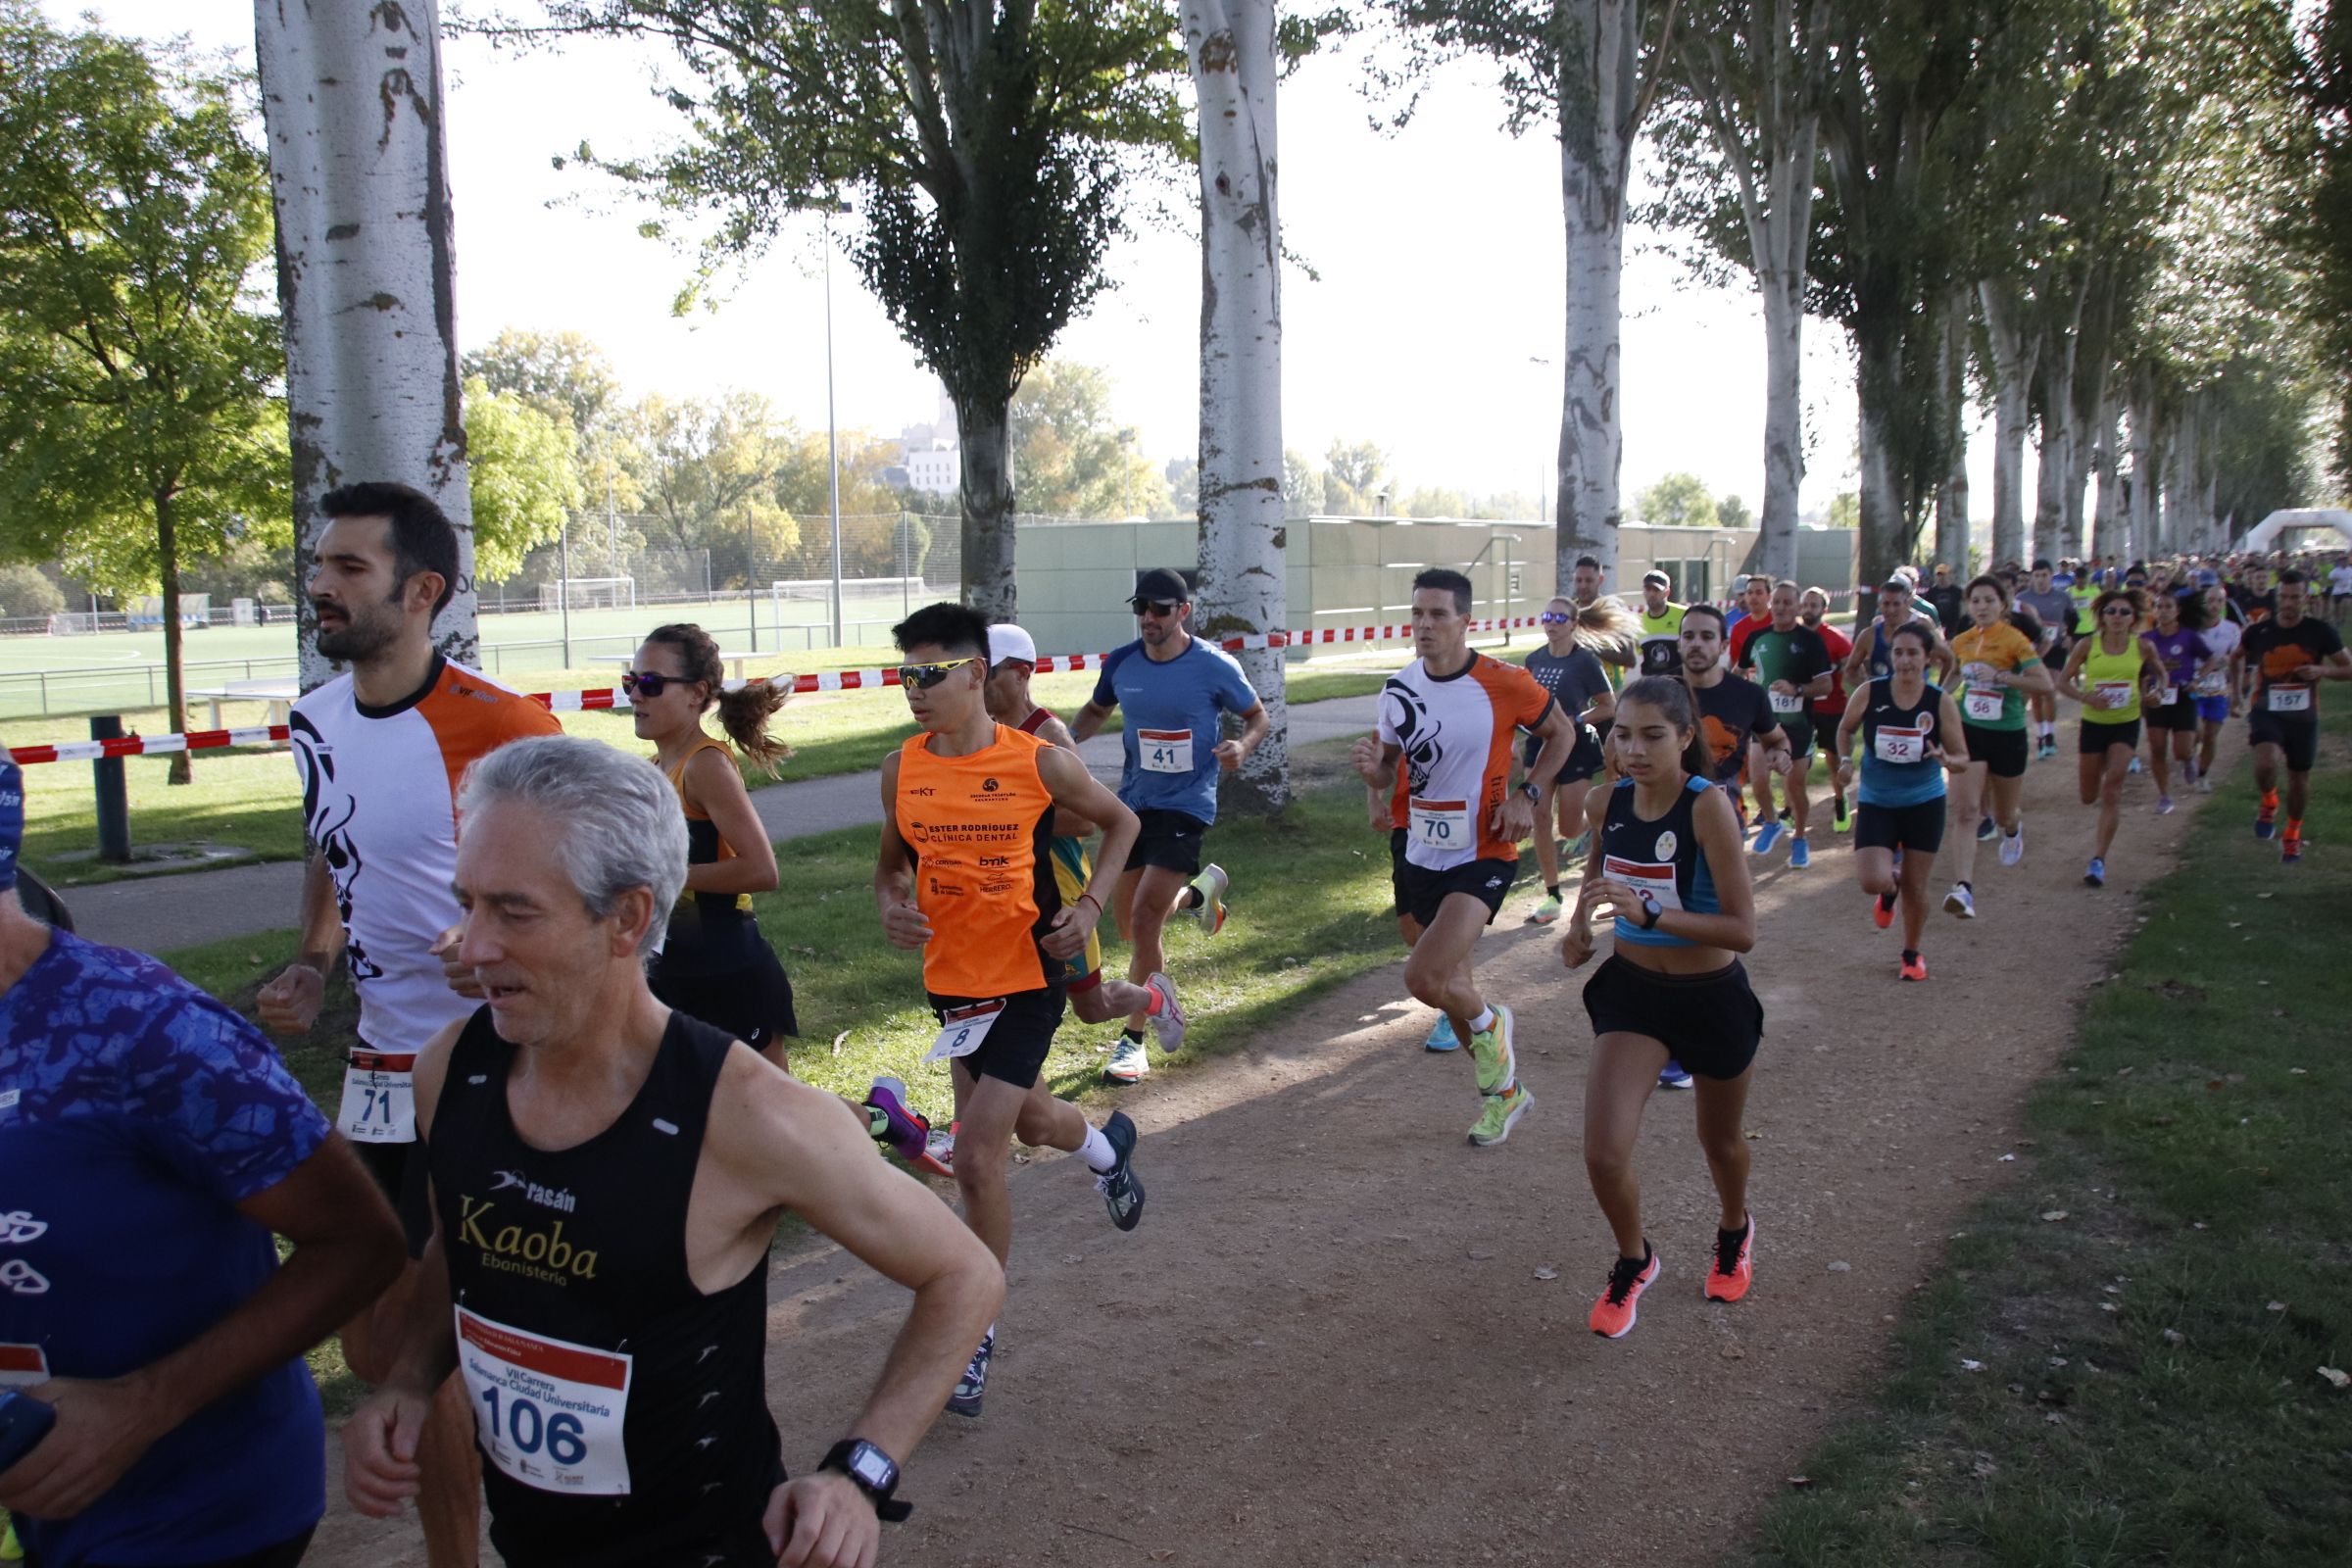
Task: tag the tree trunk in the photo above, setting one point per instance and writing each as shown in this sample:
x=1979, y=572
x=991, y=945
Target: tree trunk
x=2057, y=451
x=352, y=102
x=1784, y=422
x=2110, y=528
x=1884, y=541
x=175, y=697
x=2012, y=366
x=2145, y=485
x=985, y=442
x=1243, y=590
x=1952, y=542
x=2179, y=480
x=1597, y=87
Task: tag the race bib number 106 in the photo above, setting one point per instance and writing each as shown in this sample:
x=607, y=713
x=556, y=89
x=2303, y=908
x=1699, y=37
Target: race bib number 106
x=548, y=1413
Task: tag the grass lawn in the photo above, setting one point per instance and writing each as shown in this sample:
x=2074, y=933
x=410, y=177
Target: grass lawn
x=2162, y=1304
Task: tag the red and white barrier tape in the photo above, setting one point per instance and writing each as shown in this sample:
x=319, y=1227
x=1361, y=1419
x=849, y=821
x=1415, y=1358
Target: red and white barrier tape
x=605, y=698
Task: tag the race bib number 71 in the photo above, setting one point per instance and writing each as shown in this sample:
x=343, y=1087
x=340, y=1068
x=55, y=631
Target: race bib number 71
x=379, y=1098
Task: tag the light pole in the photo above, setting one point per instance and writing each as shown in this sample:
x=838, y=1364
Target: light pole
x=832, y=436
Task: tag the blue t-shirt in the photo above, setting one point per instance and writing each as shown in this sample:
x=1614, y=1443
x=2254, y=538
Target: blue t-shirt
x=1172, y=726
x=135, y=1113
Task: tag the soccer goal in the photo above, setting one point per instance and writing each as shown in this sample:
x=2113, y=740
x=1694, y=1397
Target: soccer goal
x=73, y=623
x=589, y=593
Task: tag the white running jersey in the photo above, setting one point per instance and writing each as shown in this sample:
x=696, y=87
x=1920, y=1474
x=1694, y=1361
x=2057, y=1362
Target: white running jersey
x=1457, y=735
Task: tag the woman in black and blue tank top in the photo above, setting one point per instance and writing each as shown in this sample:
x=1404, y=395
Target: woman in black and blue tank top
x=1668, y=865
x=1911, y=737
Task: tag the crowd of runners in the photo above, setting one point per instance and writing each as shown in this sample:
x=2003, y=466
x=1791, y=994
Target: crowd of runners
x=567, y=1132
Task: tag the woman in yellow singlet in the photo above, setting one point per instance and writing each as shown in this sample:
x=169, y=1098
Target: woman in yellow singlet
x=714, y=965
x=2107, y=673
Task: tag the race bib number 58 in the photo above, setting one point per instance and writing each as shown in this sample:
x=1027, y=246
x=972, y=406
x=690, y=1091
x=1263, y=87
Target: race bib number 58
x=548, y=1413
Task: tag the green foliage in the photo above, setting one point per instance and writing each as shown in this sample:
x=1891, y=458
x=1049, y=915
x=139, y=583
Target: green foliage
x=1354, y=472
x=26, y=592
x=1301, y=484
x=710, y=470
x=1679, y=501
x=1846, y=510
x=1072, y=457
x=523, y=469
x=1732, y=512
x=565, y=376
x=2319, y=220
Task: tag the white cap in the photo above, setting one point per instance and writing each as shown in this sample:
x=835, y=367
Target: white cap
x=1007, y=641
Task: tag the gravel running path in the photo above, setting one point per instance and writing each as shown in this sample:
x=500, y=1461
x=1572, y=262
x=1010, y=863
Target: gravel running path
x=1330, y=1341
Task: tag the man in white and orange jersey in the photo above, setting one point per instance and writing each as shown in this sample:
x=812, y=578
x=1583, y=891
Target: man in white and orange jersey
x=965, y=875
x=1451, y=716
x=380, y=749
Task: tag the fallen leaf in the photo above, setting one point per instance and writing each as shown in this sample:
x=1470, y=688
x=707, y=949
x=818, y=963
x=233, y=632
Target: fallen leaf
x=2057, y=1362
x=1732, y=1353
x=838, y=1041
x=2299, y=1072
x=2109, y=1306
x=1841, y=1268
x=1800, y=1481
x=1966, y=1365
x=2336, y=1376
x=1547, y=1272
x=2174, y=1337
x=2008, y=1158
x=2049, y=1214
x=1161, y=1556
x=2277, y=1306
x=254, y=959
x=1479, y=1254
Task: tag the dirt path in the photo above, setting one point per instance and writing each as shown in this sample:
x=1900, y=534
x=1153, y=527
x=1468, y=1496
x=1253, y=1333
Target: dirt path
x=1328, y=1342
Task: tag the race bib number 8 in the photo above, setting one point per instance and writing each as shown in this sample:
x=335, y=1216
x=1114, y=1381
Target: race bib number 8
x=1164, y=751
x=1901, y=745
x=1443, y=824
x=1982, y=703
x=548, y=1413
x=379, y=1098
x=2289, y=698
x=963, y=1029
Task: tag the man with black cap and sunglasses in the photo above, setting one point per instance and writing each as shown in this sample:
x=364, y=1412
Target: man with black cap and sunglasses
x=1174, y=688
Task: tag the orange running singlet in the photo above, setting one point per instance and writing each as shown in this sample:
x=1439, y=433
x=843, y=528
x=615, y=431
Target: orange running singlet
x=980, y=827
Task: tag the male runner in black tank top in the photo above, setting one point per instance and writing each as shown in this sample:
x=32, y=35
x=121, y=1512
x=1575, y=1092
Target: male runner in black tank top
x=608, y=1177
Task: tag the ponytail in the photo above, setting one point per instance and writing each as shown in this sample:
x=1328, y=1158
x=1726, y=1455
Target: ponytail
x=1605, y=622
x=744, y=714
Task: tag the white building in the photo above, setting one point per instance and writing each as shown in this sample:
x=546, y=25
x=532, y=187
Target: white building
x=934, y=460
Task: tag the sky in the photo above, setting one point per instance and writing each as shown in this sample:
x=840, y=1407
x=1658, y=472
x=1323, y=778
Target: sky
x=1432, y=329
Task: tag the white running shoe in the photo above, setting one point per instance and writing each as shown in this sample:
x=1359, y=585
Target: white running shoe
x=1128, y=1063
x=2204, y=785
x=1960, y=902
x=2013, y=846
x=1167, y=1024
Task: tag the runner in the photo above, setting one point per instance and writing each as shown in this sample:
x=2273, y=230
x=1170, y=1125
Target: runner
x=1569, y=667
x=2217, y=689
x=1173, y=688
x=1661, y=626
x=1448, y=716
x=1911, y=736
x=2106, y=674
x=2182, y=658
x=714, y=965
x=379, y=750
x=1871, y=659
x=1667, y=868
x=2000, y=670
x=2339, y=590
x=608, y=1176
x=965, y=874
x=1813, y=611
x=2055, y=609
x=1754, y=610
x=2289, y=654
x=1794, y=663
x=1948, y=600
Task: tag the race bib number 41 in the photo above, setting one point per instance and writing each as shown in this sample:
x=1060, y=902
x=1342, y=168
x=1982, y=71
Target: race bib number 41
x=1164, y=751
x=379, y=1098
x=549, y=1412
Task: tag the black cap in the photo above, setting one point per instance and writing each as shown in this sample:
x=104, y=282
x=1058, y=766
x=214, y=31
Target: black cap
x=1165, y=584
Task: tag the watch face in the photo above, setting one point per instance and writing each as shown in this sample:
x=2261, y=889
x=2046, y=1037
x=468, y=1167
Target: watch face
x=871, y=1466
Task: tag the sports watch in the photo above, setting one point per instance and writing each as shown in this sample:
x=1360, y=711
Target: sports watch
x=1650, y=909
x=872, y=1472
x=1530, y=792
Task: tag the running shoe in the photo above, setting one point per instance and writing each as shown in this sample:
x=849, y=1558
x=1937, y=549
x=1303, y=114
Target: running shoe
x=1547, y=912
x=2163, y=805
x=1735, y=1263
x=1441, y=1036
x=1575, y=849
x=2266, y=824
x=1123, y=1193
x=941, y=1146
x=1987, y=828
x=969, y=1387
x=1128, y=1063
x=2013, y=846
x=1500, y=1115
x=1167, y=1024
x=2134, y=768
x=1839, y=817
x=1881, y=911
x=1491, y=1050
x=1915, y=966
x=1799, y=855
x=2204, y=785
x=2045, y=750
x=891, y=1123
x=2188, y=772
x=1960, y=902
x=1211, y=884
x=1614, y=1313
x=1672, y=1075
x=1767, y=836
x=2290, y=849
x=2095, y=874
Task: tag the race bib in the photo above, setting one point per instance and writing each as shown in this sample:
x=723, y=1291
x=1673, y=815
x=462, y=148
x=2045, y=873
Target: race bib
x=23, y=1366
x=1788, y=703
x=549, y=1412
x=2166, y=695
x=963, y=1029
x=2114, y=694
x=1901, y=745
x=379, y=1098
x=1656, y=878
x=2213, y=683
x=1164, y=751
x=1443, y=824
x=1982, y=703
x=2289, y=698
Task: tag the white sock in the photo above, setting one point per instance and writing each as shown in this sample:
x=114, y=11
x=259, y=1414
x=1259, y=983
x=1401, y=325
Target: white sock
x=1099, y=1156
x=1482, y=1022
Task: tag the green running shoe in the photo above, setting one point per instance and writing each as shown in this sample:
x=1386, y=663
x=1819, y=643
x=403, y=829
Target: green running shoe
x=1490, y=1048
x=1547, y=912
x=1500, y=1115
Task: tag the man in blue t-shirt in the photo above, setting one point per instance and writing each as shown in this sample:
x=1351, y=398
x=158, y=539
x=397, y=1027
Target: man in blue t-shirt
x=1174, y=689
x=151, y=1141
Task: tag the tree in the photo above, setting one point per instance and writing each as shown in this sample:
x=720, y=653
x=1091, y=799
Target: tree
x=1679, y=501
x=1846, y=510
x=984, y=144
x=139, y=430
x=562, y=374
x=26, y=594
x=1732, y=512
x=526, y=478
x=709, y=471
x=1072, y=457
x=1355, y=473
x=2318, y=218
x=366, y=271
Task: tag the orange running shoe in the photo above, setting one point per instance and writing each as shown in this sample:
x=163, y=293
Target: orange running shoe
x=1915, y=966
x=1734, y=1269
x=1881, y=911
x=1614, y=1313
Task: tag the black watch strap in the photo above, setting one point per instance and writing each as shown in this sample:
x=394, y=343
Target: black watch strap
x=842, y=1458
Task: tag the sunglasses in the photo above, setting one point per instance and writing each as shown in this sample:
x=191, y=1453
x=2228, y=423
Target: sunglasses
x=1553, y=618
x=2119, y=610
x=1162, y=608
x=922, y=677
x=648, y=683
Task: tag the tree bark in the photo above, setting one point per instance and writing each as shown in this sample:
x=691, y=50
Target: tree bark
x=1230, y=44
x=985, y=444
x=2014, y=351
x=2145, y=484
x=175, y=697
x=1952, y=540
x=352, y=102
x=2110, y=528
x=2057, y=449
x=1886, y=535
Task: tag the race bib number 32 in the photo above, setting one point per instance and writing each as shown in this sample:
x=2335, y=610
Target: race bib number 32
x=379, y=1098
x=548, y=1413
x=1164, y=751
x=1896, y=744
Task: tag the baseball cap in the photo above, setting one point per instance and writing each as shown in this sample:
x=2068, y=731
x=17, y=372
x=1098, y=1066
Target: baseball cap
x=2208, y=578
x=1658, y=577
x=12, y=822
x=1007, y=641
x=1163, y=584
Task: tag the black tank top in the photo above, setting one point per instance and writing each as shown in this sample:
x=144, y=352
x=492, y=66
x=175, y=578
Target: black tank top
x=1663, y=856
x=710, y=933
x=622, y=1414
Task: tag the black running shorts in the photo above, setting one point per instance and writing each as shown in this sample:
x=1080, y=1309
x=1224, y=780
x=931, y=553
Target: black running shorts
x=1584, y=761
x=1420, y=892
x=2179, y=715
x=1020, y=1039
x=753, y=1004
x=2096, y=738
x=1900, y=827
x=2004, y=749
x=2298, y=738
x=1710, y=1023
x=1170, y=839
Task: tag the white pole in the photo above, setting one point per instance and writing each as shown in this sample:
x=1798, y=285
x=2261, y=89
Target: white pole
x=832, y=448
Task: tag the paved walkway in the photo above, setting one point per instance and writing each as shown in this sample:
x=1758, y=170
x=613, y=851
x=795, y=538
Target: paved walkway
x=159, y=913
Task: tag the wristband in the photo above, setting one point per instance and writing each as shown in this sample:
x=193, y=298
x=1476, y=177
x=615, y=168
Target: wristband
x=1082, y=897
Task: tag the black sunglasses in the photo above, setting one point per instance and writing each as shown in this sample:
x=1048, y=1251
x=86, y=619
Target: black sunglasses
x=922, y=677
x=1553, y=618
x=1162, y=608
x=648, y=682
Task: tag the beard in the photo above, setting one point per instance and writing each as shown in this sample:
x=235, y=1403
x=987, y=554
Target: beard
x=362, y=636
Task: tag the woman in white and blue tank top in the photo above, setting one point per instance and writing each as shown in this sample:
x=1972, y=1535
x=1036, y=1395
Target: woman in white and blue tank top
x=1911, y=736
x=1667, y=863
